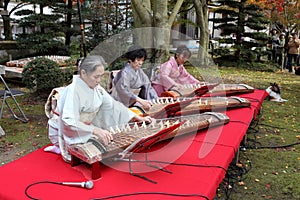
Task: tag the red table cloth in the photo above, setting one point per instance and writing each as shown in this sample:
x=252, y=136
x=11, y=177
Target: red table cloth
x=197, y=162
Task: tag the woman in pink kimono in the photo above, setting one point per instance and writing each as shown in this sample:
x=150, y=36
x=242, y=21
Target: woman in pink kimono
x=172, y=74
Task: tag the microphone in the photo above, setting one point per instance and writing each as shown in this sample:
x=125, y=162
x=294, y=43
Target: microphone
x=87, y=184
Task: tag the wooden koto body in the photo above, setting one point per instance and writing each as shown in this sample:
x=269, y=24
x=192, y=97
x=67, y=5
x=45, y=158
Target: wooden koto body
x=205, y=90
x=190, y=90
x=229, y=89
x=205, y=104
x=137, y=137
x=168, y=107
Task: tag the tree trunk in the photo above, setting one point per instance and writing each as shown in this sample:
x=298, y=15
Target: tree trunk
x=42, y=28
x=153, y=14
x=142, y=19
x=7, y=27
x=69, y=23
x=202, y=22
x=241, y=29
x=6, y=23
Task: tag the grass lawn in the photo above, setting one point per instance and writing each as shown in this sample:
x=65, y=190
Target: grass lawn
x=275, y=171
x=274, y=163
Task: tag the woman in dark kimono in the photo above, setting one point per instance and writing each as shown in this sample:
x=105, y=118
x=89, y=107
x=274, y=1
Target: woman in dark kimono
x=131, y=85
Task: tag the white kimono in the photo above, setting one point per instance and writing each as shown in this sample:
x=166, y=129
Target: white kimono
x=82, y=109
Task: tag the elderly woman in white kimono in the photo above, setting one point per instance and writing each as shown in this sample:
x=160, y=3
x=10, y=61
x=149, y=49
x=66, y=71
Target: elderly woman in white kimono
x=131, y=78
x=86, y=109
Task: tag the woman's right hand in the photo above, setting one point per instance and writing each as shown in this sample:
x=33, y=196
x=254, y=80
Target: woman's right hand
x=104, y=135
x=146, y=118
x=145, y=103
x=177, y=86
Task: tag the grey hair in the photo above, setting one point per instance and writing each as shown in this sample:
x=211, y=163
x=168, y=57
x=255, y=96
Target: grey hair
x=182, y=49
x=90, y=63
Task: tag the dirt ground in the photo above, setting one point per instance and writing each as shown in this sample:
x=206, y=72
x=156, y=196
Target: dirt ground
x=8, y=154
x=21, y=138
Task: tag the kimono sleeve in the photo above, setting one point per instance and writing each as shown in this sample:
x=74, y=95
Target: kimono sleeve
x=122, y=88
x=186, y=78
x=72, y=128
x=112, y=113
x=165, y=78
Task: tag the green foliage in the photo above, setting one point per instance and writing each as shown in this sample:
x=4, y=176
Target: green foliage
x=222, y=52
x=42, y=32
x=118, y=64
x=42, y=43
x=42, y=74
x=257, y=35
x=111, y=14
x=70, y=69
x=24, y=12
x=44, y=40
x=237, y=16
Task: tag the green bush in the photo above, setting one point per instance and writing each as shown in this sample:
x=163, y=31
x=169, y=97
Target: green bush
x=42, y=74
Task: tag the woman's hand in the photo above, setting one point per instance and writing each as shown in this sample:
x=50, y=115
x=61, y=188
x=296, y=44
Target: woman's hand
x=177, y=86
x=104, y=135
x=145, y=103
x=146, y=118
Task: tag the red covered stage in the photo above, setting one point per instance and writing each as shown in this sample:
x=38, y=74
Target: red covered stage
x=197, y=163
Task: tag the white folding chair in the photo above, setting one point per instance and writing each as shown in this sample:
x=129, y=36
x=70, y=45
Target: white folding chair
x=6, y=93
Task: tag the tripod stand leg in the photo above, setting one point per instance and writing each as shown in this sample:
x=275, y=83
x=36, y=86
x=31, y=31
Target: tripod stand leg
x=138, y=175
x=143, y=177
x=158, y=167
x=155, y=166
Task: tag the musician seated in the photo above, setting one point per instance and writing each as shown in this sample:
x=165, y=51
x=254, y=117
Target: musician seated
x=85, y=109
x=172, y=74
x=131, y=78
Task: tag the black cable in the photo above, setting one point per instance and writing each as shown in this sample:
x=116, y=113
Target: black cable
x=222, y=145
x=276, y=147
x=172, y=163
x=234, y=174
x=266, y=147
x=115, y=196
x=253, y=129
x=238, y=121
x=271, y=126
x=254, y=141
x=276, y=127
x=257, y=109
x=189, y=165
x=40, y=182
x=144, y=193
x=254, y=123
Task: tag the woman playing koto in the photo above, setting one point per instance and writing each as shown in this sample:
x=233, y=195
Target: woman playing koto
x=172, y=74
x=86, y=109
x=131, y=78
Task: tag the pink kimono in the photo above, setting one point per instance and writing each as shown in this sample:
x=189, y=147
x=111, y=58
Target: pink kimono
x=171, y=74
